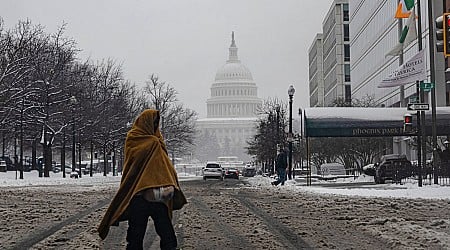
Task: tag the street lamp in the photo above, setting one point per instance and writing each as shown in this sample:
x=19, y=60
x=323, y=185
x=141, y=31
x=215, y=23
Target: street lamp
x=291, y=92
x=73, y=102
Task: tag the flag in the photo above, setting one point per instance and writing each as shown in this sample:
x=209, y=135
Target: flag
x=403, y=8
x=409, y=34
x=411, y=71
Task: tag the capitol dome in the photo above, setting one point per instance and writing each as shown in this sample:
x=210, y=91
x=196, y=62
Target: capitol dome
x=233, y=71
x=233, y=93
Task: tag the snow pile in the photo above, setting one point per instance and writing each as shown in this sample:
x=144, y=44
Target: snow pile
x=366, y=189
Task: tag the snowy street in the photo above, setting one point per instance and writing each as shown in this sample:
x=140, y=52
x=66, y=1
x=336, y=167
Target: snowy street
x=232, y=214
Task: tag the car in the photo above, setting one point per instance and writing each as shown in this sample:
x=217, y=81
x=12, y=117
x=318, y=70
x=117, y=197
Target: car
x=369, y=169
x=212, y=170
x=9, y=163
x=392, y=167
x=232, y=173
x=2, y=166
x=58, y=168
x=74, y=175
x=249, y=171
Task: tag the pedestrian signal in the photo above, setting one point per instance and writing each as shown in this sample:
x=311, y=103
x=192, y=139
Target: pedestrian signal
x=407, y=123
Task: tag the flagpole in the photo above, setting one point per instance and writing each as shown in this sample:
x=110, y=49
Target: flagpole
x=400, y=62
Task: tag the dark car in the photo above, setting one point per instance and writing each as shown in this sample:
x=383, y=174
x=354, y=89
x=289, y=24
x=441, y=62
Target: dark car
x=232, y=173
x=392, y=167
x=9, y=163
x=249, y=171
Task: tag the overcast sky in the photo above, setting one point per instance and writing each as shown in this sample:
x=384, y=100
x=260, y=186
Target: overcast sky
x=185, y=42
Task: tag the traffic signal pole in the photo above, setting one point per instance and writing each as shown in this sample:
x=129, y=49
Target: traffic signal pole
x=421, y=137
x=433, y=90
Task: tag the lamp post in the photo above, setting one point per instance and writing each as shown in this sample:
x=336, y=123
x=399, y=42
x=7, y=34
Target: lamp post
x=73, y=101
x=291, y=92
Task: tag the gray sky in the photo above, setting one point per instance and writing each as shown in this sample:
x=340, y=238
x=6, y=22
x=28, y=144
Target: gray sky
x=186, y=41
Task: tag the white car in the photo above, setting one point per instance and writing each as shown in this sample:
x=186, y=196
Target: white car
x=213, y=170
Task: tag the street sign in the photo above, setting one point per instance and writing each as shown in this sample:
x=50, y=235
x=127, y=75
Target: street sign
x=418, y=106
x=413, y=99
x=426, y=86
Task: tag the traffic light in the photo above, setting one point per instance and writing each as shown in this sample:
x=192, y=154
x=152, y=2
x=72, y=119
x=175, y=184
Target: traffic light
x=407, y=123
x=446, y=22
x=440, y=34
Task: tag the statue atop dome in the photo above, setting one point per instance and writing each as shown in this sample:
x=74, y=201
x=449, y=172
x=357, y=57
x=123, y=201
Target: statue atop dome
x=233, y=44
x=233, y=57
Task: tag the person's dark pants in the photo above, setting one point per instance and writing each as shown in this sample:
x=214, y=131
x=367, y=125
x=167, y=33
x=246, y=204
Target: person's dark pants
x=281, y=174
x=140, y=210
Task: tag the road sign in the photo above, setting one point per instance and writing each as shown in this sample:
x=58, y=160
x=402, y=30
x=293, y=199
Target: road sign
x=426, y=86
x=418, y=106
x=413, y=99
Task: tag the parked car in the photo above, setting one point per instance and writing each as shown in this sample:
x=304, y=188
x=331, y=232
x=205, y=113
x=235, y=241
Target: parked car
x=2, y=166
x=212, y=170
x=57, y=168
x=392, y=167
x=249, y=171
x=369, y=169
x=232, y=173
x=74, y=175
x=9, y=163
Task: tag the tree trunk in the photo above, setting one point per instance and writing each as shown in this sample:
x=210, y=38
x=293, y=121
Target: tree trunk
x=47, y=159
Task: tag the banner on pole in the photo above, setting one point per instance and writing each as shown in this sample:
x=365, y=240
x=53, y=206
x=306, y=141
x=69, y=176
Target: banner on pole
x=411, y=71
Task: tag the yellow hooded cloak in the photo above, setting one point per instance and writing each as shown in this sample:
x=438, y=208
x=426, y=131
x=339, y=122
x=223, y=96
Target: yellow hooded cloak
x=146, y=165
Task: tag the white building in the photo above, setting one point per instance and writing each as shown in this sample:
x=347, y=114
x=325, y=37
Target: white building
x=329, y=59
x=315, y=55
x=231, y=109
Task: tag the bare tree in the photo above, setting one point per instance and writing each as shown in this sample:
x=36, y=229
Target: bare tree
x=271, y=130
x=161, y=94
x=177, y=122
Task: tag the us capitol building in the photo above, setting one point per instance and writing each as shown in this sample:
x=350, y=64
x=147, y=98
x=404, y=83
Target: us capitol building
x=231, y=109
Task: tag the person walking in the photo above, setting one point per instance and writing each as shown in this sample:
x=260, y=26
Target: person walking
x=280, y=165
x=149, y=182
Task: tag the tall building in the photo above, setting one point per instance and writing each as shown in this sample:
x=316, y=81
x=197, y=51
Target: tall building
x=333, y=44
x=315, y=55
x=374, y=32
x=231, y=110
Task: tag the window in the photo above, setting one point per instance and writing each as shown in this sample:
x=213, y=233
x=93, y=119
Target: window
x=346, y=33
x=348, y=93
x=345, y=7
x=347, y=72
x=346, y=52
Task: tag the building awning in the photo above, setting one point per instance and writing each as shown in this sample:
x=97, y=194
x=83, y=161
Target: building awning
x=368, y=122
